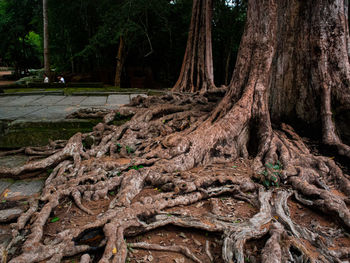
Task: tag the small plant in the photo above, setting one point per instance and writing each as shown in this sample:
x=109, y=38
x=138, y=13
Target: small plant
x=158, y=189
x=55, y=219
x=119, y=147
x=129, y=150
x=135, y=167
x=129, y=247
x=271, y=175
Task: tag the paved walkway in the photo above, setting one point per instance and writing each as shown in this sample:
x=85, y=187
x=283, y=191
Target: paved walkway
x=42, y=107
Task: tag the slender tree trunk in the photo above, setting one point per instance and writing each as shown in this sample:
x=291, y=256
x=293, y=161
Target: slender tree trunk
x=120, y=62
x=46, y=40
x=197, y=72
x=227, y=67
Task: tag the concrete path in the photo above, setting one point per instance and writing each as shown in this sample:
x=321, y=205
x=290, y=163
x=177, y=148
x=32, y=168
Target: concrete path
x=45, y=107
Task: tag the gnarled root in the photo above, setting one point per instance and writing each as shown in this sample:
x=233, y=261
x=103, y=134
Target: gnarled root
x=182, y=171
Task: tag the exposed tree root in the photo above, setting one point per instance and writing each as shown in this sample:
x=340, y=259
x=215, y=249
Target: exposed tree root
x=89, y=113
x=158, y=149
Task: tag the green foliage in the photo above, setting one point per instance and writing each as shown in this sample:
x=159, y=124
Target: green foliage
x=129, y=149
x=135, y=167
x=271, y=176
x=84, y=35
x=55, y=219
x=19, y=28
x=119, y=147
x=129, y=248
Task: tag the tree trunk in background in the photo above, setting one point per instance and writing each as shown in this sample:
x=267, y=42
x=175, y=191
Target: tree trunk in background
x=120, y=62
x=197, y=67
x=46, y=40
x=227, y=67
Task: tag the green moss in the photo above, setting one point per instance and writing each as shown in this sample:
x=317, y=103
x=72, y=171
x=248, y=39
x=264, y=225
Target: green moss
x=39, y=133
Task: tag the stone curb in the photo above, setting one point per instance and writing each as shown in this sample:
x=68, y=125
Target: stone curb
x=32, y=93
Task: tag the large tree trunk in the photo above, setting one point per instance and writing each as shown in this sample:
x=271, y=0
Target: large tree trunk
x=293, y=63
x=197, y=72
x=46, y=40
x=311, y=74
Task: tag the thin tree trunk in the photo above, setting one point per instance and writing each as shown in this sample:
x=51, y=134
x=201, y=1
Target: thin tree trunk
x=197, y=72
x=120, y=62
x=227, y=67
x=46, y=40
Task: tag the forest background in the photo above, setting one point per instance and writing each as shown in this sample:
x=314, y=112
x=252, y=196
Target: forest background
x=85, y=37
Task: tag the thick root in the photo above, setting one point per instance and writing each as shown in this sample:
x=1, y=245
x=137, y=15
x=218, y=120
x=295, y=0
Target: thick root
x=123, y=162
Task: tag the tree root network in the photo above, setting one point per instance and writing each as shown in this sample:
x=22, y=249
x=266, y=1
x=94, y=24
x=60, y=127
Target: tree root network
x=155, y=152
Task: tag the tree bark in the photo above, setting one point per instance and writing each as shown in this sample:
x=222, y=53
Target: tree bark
x=46, y=40
x=197, y=67
x=293, y=65
x=120, y=62
x=293, y=62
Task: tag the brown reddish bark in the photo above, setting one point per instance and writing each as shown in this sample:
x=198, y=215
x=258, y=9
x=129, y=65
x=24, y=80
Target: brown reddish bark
x=174, y=133
x=197, y=72
x=268, y=82
x=120, y=62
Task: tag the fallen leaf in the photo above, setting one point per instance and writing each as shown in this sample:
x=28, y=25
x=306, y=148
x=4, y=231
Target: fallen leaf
x=114, y=250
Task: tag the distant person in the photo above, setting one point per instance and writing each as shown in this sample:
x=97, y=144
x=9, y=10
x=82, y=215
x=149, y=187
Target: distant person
x=46, y=79
x=60, y=79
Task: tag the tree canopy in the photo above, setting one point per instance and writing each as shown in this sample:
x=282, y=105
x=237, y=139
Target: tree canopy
x=84, y=36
